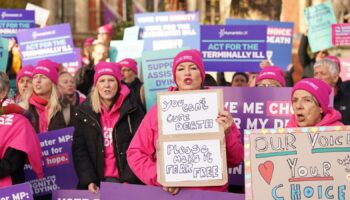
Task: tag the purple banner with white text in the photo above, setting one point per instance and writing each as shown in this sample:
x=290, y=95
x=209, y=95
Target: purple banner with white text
x=58, y=166
x=12, y=20
x=17, y=192
x=51, y=42
x=74, y=194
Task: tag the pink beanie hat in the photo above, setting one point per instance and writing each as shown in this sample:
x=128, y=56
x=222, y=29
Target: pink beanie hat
x=334, y=59
x=25, y=71
x=88, y=41
x=191, y=55
x=108, y=28
x=47, y=68
x=129, y=63
x=107, y=68
x=318, y=88
x=272, y=72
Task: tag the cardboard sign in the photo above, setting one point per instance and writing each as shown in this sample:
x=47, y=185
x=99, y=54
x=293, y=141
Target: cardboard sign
x=58, y=166
x=189, y=112
x=41, y=14
x=109, y=191
x=17, y=192
x=169, y=30
x=300, y=163
x=190, y=162
x=74, y=194
x=12, y=20
x=279, y=40
x=341, y=34
x=157, y=73
x=4, y=54
x=127, y=49
x=51, y=42
x=319, y=18
x=233, y=48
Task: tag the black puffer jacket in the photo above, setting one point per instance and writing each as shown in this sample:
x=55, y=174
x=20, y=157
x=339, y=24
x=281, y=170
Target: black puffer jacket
x=88, y=147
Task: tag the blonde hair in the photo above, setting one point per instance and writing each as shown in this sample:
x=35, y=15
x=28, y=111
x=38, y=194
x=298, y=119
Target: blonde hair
x=95, y=100
x=53, y=104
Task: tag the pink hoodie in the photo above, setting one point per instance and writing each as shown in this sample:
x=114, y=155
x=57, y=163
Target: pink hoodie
x=17, y=133
x=143, y=161
x=108, y=121
x=331, y=118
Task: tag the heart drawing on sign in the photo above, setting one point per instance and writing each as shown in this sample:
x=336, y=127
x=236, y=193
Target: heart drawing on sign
x=266, y=171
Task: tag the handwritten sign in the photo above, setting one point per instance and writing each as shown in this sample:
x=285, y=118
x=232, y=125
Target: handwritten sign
x=319, y=19
x=341, y=34
x=16, y=192
x=233, y=48
x=58, y=166
x=189, y=112
x=301, y=163
x=192, y=163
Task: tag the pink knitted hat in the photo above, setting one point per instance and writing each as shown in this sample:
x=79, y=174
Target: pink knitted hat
x=108, y=28
x=318, y=88
x=191, y=55
x=25, y=71
x=107, y=68
x=47, y=68
x=271, y=72
x=129, y=63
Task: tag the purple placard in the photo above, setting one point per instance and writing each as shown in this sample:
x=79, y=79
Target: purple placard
x=12, y=20
x=51, y=42
x=112, y=191
x=73, y=65
x=341, y=34
x=237, y=48
x=74, y=194
x=58, y=166
x=16, y=192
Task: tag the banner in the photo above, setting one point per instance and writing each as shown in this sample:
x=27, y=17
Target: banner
x=109, y=191
x=279, y=40
x=17, y=192
x=51, y=42
x=169, y=30
x=4, y=54
x=41, y=14
x=72, y=66
x=12, y=20
x=157, y=73
x=131, y=33
x=297, y=163
x=233, y=48
x=74, y=194
x=341, y=34
x=127, y=49
x=319, y=19
x=58, y=166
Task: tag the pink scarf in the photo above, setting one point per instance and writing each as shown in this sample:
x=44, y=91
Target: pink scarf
x=40, y=105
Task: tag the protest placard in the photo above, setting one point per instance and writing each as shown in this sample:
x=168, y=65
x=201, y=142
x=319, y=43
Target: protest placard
x=131, y=33
x=169, y=30
x=12, y=20
x=279, y=40
x=74, y=195
x=233, y=48
x=319, y=19
x=58, y=166
x=344, y=69
x=72, y=66
x=189, y=112
x=340, y=34
x=4, y=54
x=128, y=191
x=51, y=42
x=157, y=73
x=127, y=49
x=41, y=14
x=297, y=163
x=17, y=192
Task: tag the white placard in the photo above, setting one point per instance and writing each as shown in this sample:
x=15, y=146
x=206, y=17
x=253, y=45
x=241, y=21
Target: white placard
x=127, y=49
x=196, y=160
x=41, y=14
x=189, y=113
x=131, y=33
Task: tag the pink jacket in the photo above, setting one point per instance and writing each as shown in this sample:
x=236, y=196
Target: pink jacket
x=331, y=118
x=142, y=158
x=17, y=133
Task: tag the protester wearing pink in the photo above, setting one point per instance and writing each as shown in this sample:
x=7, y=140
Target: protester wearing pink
x=310, y=101
x=18, y=143
x=24, y=81
x=270, y=76
x=188, y=72
x=106, y=123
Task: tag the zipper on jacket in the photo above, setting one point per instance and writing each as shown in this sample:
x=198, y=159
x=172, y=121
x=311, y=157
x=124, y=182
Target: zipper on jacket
x=129, y=122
